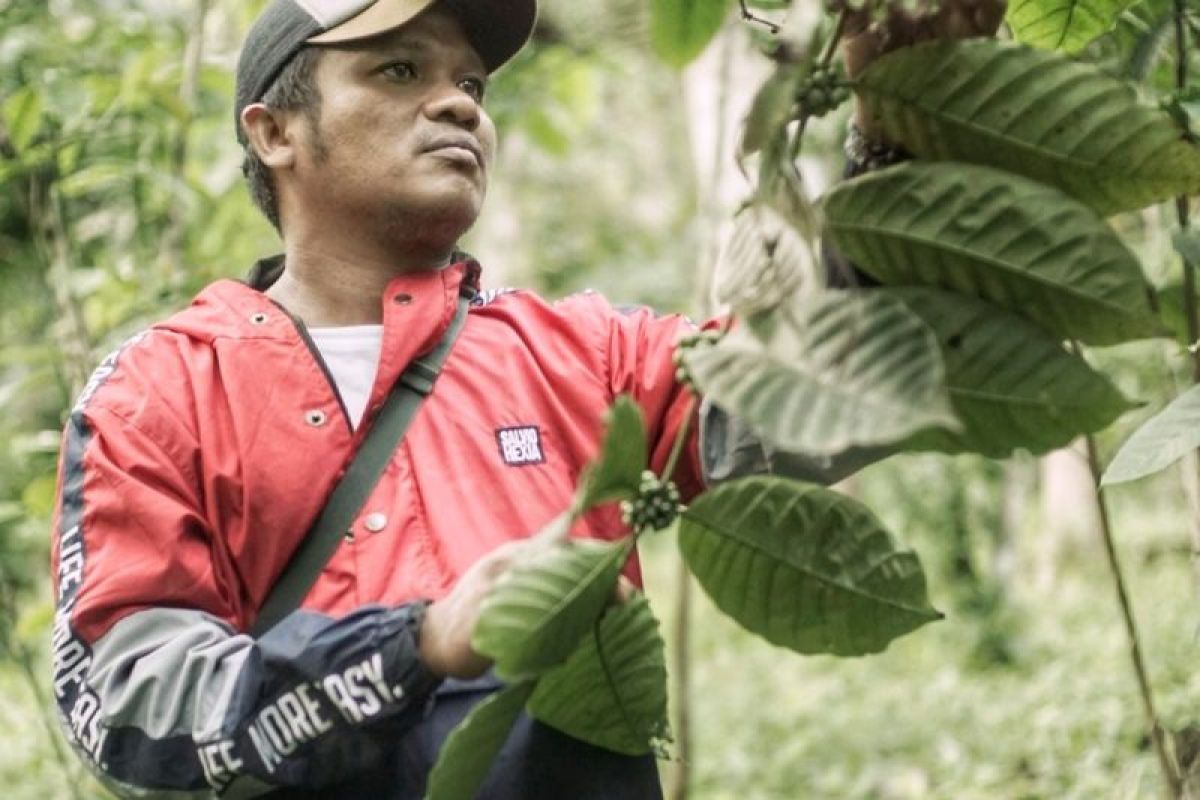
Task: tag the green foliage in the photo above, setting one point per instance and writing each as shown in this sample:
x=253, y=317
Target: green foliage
x=615, y=212
x=618, y=472
x=138, y=202
x=829, y=372
x=773, y=107
x=611, y=692
x=1146, y=29
x=1073, y=127
x=465, y=758
x=569, y=90
x=681, y=29
x=1012, y=386
x=1174, y=314
x=917, y=722
x=122, y=198
x=1184, y=107
x=765, y=262
x=23, y=117
x=1066, y=25
x=1015, y=242
x=1162, y=441
x=540, y=609
x=1187, y=244
x=803, y=567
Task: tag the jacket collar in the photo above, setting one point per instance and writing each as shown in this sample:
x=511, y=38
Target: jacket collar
x=240, y=310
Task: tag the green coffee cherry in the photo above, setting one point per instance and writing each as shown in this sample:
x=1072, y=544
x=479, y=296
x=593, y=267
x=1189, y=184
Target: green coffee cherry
x=655, y=507
x=821, y=92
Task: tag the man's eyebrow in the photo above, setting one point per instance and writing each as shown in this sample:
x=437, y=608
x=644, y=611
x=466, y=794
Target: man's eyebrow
x=407, y=44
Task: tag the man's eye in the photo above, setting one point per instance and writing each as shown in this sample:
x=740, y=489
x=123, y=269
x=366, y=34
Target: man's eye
x=475, y=87
x=401, y=71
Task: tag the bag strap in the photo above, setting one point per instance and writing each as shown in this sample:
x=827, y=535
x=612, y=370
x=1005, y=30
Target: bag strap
x=361, y=477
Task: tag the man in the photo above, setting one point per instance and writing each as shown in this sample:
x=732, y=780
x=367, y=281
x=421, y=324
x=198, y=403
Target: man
x=199, y=455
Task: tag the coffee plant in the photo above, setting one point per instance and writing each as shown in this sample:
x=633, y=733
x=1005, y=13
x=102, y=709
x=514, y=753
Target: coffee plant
x=991, y=265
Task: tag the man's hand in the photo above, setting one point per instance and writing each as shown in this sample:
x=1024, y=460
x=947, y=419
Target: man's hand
x=449, y=623
x=865, y=40
x=446, y=633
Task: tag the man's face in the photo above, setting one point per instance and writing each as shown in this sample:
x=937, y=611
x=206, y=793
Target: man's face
x=402, y=134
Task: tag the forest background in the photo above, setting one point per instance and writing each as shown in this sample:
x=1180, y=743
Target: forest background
x=121, y=196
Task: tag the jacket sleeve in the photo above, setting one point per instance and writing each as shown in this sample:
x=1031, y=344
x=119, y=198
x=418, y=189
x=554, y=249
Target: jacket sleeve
x=731, y=449
x=156, y=687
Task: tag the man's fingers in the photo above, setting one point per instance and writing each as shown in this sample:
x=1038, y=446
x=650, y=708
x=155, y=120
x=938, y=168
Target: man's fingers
x=989, y=14
x=950, y=19
x=861, y=49
x=899, y=29
x=856, y=22
x=963, y=19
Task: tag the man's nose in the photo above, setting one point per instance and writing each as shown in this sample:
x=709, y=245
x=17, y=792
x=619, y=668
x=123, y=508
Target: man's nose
x=452, y=104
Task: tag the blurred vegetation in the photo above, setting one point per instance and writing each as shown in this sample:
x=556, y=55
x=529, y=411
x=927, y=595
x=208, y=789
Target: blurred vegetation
x=122, y=197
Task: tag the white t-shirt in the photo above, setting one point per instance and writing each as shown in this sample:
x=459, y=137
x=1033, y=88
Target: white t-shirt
x=352, y=355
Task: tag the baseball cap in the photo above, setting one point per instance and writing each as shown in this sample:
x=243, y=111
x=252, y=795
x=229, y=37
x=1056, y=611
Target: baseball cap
x=497, y=29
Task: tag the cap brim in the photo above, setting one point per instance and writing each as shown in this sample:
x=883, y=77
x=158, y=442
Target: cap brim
x=379, y=17
x=496, y=28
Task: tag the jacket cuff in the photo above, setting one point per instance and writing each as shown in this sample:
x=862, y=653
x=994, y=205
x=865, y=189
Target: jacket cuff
x=418, y=680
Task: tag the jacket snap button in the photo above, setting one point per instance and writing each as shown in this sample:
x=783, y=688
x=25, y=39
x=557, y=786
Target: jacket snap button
x=375, y=522
x=403, y=299
x=258, y=319
x=316, y=417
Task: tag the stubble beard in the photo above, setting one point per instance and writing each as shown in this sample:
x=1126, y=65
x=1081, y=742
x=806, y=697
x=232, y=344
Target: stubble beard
x=430, y=224
x=408, y=225
x=431, y=230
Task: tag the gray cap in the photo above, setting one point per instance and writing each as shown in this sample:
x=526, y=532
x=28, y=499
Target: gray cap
x=497, y=29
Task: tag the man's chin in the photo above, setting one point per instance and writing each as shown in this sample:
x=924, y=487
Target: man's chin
x=446, y=216
x=452, y=194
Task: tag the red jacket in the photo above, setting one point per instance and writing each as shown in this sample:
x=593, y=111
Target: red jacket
x=199, y=455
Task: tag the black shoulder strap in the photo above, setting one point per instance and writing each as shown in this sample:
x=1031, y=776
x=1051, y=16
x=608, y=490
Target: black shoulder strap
x=363, y=474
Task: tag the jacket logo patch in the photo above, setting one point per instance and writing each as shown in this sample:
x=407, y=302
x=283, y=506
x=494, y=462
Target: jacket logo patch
x=521, y=446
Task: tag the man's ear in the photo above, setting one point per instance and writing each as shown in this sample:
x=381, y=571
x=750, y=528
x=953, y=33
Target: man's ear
x=267, y=132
